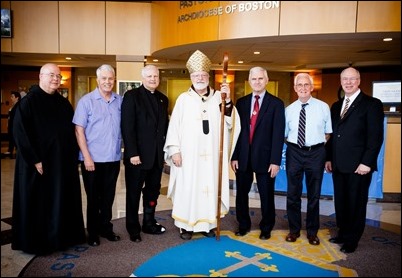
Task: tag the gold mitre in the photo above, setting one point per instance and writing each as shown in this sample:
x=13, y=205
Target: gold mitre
x=198, y=62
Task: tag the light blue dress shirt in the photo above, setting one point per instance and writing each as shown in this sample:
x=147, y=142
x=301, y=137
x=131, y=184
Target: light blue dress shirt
x=318, y=121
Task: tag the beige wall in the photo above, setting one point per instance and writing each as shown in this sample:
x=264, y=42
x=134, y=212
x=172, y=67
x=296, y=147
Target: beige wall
x=81, y=27
x=133, y=28
x=392, y=157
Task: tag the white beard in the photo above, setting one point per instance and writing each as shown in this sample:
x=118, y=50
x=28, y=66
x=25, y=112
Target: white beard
x=200, y=86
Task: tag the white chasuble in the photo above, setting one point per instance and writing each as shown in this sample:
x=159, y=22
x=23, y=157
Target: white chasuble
x=193, y=187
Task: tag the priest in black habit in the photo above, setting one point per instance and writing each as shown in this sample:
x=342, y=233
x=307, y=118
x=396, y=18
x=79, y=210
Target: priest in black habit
x=47, y=208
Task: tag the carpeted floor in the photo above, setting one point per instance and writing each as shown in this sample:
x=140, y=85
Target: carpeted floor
x=378, y=255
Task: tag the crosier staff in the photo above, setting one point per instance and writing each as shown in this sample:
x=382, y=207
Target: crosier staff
x=223, y=97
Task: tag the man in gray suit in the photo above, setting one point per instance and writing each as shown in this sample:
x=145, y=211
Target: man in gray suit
x=352, y=151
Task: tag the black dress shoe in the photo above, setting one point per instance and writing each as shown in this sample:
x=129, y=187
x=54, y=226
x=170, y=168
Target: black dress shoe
x=336, y=240
x=135, y=237
x=211, y=233
x=265, y=235
x=111, y=236
x=186, y=235
x=242, y=232
x=93, y=240
x=154, y=229
x=348, y=248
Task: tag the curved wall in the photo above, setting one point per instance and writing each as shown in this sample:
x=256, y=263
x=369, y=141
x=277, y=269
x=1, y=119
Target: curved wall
x=177, y=23
x=138, y=28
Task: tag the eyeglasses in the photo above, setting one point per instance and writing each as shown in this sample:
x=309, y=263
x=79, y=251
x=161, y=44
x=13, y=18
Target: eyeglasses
x=351, y=79
x=301, y=86
x=52, y=75
x=197, y=76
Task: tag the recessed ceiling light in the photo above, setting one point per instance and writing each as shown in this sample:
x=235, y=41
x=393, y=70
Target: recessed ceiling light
x=68, y=58
x=257, y=52
x=155, y=60
x=240, y=62
x=387, y=39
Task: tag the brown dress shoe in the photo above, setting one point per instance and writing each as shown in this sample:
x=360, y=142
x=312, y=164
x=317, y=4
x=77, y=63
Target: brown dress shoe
x=291, y=237
x=313, y=240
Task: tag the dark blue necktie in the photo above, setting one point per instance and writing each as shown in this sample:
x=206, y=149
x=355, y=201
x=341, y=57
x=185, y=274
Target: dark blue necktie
x=301, y=136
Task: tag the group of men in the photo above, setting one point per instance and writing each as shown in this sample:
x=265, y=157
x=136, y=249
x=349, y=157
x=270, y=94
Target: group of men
x=52, y=139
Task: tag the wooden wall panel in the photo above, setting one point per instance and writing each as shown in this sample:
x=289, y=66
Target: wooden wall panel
x=376, y=16
x=248, y=24
x=175, y=33
x=36, y=26
x=82, y=27
x=318, y=17
x=161, y=25
x=128, y=28
x=128, y=71
x=392, y=159
x=6, y=42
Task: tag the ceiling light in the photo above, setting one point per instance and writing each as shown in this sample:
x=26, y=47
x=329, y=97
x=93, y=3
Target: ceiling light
x=68, y=58
x=240, y=62
x=257, y=52
x=155, y=60
x=387, y=39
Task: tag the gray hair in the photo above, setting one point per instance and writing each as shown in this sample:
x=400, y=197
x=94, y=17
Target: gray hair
x=351, y=69
x=303, y=74
x=105, y=68
x=147, y=68
x=258, y=69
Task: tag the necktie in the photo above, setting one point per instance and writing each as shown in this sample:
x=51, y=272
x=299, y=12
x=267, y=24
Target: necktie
x=346, y=108
x=254, y=117
x=301, y=136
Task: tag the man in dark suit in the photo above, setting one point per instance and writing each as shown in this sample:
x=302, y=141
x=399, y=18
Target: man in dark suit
x=352, y=151
x=258, y=150
x=144, y=122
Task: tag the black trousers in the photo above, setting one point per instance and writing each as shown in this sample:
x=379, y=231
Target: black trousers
x=266, y=189
x=100, y=187
x=147, y=182
x=310, y=164
x=351, y=196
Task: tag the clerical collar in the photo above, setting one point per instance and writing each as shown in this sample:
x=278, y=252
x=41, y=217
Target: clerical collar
x=204, y=96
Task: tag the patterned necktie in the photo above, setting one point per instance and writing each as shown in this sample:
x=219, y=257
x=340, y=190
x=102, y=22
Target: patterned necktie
x=254, y=116
x=346, y=108
x=301, y=136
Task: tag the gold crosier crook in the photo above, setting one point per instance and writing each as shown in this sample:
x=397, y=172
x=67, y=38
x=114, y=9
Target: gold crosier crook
x=223, y=97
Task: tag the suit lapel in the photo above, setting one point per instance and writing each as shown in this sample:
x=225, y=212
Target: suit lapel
x=264, y=108
x=248, y=110
x=352, y=107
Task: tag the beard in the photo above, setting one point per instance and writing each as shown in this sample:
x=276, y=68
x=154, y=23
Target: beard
x=200, y=86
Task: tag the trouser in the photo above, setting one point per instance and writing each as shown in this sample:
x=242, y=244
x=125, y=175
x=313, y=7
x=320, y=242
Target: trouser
x=147, y=182
x=100, y=187
x=266, y=190
x=300, y=162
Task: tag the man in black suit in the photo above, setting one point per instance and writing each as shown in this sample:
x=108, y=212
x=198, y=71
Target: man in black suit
x=352, y=151
x=144, y=122
x=258, y=152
